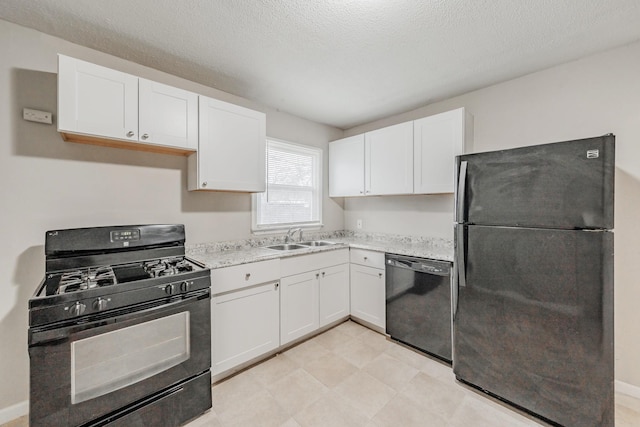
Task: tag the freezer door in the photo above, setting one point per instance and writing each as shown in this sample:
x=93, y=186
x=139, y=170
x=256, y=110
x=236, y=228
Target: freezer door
x=565, y=185
x=534, y=320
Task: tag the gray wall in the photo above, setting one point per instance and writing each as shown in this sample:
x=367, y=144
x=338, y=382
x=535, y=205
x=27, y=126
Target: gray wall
x=46, y=183
x=593, y=96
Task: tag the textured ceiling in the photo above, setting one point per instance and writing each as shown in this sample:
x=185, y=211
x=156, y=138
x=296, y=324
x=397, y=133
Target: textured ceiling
x=340, y=62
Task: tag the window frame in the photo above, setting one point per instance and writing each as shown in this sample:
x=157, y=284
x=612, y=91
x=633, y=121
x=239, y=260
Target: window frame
x=319, y=190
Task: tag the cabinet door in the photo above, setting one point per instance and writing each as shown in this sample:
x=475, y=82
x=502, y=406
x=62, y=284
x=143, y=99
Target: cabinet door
x=437, y=140
x=244, y=324
x=334, y=293
x=298, y=306
x=389, y=160
x=367, y=294
x=168, y=115
x=97, y=101
x=231, y=149
x=346, y=167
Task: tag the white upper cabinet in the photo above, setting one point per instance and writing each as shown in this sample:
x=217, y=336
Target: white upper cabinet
x=373, y=163
x=231, y=149
x=95, y=100
x=414, y=157
x=98, y=105
x=346, y=167
x=437, y=140
x=168, y=115
x=389, y=160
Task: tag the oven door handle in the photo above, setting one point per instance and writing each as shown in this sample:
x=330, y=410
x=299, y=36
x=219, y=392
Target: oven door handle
x=60, y=335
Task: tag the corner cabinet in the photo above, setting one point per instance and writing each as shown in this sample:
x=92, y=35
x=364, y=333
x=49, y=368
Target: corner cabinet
x=437, y=141
x=346, y=167
x=231, y=149
x=101, y=106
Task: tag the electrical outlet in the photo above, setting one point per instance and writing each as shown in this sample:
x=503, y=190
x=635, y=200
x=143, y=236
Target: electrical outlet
x=359, y=224
x=37, y=116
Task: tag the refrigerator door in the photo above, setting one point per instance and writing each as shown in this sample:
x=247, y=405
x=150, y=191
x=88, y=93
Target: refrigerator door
x=562, y=185
x=534, y=320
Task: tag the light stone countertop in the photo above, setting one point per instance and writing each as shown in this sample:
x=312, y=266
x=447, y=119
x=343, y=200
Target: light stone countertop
x=226, y=254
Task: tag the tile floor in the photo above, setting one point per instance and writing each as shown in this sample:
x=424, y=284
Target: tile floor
x=352, y=376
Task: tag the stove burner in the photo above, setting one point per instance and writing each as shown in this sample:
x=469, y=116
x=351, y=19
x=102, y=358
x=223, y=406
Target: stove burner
x=86, y=278
x=167, y=266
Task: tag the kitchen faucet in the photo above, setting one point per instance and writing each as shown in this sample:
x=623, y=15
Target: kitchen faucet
x=290, y=234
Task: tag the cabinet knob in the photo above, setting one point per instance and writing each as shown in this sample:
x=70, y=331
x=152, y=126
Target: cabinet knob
x=246, y=276
x=275, y=286
x=317, y=275
x=130, y=134
x=366, y=258
x=323, y=274
x=145, y=136
x=204, y=184
x=361, y=192
x=380, y=275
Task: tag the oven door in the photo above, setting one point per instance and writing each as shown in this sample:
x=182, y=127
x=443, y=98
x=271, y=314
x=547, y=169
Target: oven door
x=82, y=372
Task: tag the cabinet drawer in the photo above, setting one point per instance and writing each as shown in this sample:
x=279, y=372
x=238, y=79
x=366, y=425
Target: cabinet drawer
x=301, y=264
x=244, y=275
x=368, y=258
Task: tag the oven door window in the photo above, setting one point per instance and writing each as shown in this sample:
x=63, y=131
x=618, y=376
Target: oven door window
x=107, y=362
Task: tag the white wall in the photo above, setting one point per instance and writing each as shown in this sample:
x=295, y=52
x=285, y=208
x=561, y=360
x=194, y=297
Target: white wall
x=589, y=97
x=46, y=183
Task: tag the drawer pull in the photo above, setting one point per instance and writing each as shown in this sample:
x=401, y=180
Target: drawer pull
x=247, y=276
x=366, y=258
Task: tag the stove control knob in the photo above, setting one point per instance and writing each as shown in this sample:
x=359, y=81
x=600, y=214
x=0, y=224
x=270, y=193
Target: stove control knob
x=100, y=304
x=77, y=309
x=185, y=286
x=168, y=289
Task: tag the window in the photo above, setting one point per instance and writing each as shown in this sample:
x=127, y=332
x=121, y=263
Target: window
x=294, y=192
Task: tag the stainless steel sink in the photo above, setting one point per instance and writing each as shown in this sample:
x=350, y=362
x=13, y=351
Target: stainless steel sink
x=317, y=243
x=286, y=247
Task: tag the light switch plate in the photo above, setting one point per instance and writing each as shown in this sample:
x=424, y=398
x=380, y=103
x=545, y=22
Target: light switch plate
x=37, y=116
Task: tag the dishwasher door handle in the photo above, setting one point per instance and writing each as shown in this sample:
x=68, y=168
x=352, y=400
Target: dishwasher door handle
x=442, y=269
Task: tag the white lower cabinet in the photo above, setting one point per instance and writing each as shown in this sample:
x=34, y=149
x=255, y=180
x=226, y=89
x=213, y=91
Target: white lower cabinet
x=368, y=287
x=314, y=293
x=334, y=294
x=245, y=313
x=244, y=325
x=299, y=304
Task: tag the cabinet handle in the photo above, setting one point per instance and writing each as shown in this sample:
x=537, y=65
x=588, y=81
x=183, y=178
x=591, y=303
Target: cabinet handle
x=323, y=274
x=204, y=184
x=366, y=258
x=361, y=192
x=275, y=286
x=130, y=133
x=246, y=276
x=317, y=275
x=380, y=275
x=145, y=136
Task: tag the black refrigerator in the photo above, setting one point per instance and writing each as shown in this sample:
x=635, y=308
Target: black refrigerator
x=533, y=278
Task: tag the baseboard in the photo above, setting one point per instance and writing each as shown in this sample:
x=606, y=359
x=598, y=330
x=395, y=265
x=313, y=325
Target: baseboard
x=628, y=389
x=14, y=411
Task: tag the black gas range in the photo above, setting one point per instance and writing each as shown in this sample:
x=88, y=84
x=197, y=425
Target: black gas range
x=118, y=325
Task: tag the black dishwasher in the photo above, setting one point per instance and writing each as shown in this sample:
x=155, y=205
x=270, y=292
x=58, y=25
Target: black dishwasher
x=418, y=304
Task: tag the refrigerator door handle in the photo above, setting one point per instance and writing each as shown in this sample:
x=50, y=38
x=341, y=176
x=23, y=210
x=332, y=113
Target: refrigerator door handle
x=460, y=261
x=461, y=189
